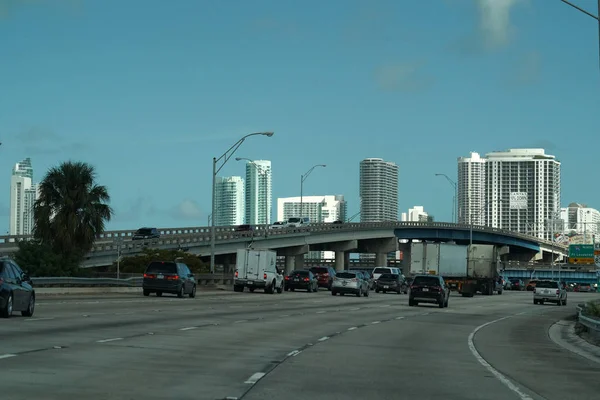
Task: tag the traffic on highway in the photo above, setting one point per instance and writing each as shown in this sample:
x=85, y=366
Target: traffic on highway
x=210, y=344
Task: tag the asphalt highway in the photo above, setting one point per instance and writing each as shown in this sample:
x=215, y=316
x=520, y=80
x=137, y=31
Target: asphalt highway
x=294, y=345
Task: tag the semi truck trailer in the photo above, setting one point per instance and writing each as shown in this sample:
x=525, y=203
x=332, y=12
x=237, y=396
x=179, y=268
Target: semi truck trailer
x=466, y=269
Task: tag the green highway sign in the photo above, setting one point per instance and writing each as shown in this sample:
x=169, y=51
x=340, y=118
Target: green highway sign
x=581, y=251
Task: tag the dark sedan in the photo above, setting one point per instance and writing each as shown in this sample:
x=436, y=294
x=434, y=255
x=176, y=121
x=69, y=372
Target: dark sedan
x=16, y=290
x=301, y=279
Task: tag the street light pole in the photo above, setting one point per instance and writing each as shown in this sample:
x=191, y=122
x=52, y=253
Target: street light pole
x=224, y=157
x=302, y=179
x=454, y=197
x=265, y=187
x=596, y=17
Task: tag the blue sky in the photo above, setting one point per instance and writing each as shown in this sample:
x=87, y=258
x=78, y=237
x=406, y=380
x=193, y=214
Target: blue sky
x=149, y=91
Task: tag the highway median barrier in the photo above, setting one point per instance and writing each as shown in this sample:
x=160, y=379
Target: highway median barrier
x=588, y=321
x=203, y=281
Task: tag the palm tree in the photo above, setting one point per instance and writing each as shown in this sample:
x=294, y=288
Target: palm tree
x=71, y=209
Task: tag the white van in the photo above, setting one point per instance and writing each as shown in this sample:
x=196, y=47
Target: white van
x=385, y=270
x=257, y=269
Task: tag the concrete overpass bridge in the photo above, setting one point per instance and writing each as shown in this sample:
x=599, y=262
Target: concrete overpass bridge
x=370, y=237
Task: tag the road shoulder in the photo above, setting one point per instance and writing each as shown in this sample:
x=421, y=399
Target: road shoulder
x=563, y=334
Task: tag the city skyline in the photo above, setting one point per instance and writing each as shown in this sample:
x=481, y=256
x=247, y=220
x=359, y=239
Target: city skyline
x=23, y=194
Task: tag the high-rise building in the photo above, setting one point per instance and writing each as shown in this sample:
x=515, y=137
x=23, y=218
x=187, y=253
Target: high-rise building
x=415, y=214
x=523, y=191
x=580, y=219
x=258, y=192
x=471, y=189
x=318, y=209
x=378, y=190
x=23, y=194
x=229, y=201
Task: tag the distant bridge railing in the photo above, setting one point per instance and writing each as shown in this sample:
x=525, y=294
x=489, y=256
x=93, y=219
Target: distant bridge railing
x=130, y=281
x=186, y=237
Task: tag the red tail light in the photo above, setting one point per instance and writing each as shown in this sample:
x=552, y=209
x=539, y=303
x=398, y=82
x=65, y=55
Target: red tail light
x=172, y=277
x=287, y=278
x=306, y=279
x=412, y=287
x=149, y=276
x=237, y=274
x=265, y=276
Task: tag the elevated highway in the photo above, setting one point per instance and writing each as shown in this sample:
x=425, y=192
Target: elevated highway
x=373, y=237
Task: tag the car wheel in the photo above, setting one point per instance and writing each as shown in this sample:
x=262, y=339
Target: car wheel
x=146, y=292
x=158, y=294
x=30, y=307
x=8, y=307
x=193, y=293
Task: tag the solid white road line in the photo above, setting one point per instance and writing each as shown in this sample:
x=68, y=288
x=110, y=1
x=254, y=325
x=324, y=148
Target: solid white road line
x=3, y=356
x=293, y=353
x=109, y=340
x=503, y=379
x=324, y=338
x=255, y=378
x=189, y=328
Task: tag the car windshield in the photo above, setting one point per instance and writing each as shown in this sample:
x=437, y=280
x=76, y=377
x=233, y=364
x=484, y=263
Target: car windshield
x=319, y=270
x=381, y=271
x=346, y=275
x=161, y=267
x=144, y=231
x=547, y=285
x=388, y=276
x=426, y=281
x=294, y=220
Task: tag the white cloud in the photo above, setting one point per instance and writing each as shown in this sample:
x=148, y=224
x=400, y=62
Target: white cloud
x=187, y=209
x=494, y=22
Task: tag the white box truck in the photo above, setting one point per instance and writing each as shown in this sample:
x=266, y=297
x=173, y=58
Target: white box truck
x=257, y=269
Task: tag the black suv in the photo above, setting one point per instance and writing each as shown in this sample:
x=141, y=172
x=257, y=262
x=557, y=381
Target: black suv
x=429, y=289
x=169, y=277
x=146, y=233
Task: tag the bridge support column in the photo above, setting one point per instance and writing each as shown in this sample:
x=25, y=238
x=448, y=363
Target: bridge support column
x=406, y=256
x=289, y=264
x=380, y=259
x=342, y=259
x=298, y=261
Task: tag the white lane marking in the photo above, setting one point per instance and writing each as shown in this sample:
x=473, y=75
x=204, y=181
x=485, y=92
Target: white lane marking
x=240, y=321
x=129, y=313
x=321, y=312
x=39, y=319
x=3, y=356
x=293, y=353
x=324, y=338
x=522, y=313
x=375, y=322
x=400, y=317
x=426, y=313
x=255, y=378
x=285, y=315
x=189, y=328
x=109, y=340
x=351, y=329
x=503, y=379
x=355, y=309
x=385, y=305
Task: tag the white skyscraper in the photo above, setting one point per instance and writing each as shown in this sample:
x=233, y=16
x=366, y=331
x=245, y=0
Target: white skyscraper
x=415, y=214
x=258, y=192
x=523, y=191
x=378, y=190
x=229, y=201
x=581, y=220
x=23, y=194
x=471, y=189
x=318, y=209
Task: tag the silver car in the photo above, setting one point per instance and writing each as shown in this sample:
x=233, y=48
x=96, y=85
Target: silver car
x=349, y=282
x=551, y=292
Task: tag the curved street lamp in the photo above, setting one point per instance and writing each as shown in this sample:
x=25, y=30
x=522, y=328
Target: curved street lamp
x=302, y=179
x=224, y=158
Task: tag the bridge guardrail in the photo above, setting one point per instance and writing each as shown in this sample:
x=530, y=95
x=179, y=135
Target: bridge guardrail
x=591, y=323
x=184, y=237
x=136, y=281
